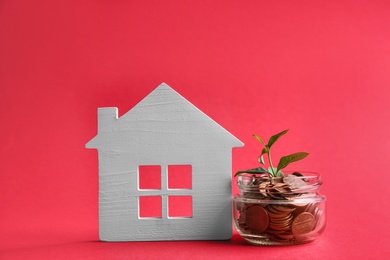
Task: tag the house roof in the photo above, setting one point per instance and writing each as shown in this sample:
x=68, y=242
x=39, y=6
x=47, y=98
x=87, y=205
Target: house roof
x=163, y=112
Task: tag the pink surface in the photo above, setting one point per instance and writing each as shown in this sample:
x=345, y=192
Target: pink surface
x=319, y=68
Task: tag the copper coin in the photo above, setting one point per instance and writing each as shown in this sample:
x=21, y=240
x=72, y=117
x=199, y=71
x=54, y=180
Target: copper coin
x=302, y=224
x=285, y=209
x=257, y=219
x=294, y=182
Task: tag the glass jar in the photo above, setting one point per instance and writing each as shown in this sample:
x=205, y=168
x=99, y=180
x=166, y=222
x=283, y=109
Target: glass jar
x=283, y=210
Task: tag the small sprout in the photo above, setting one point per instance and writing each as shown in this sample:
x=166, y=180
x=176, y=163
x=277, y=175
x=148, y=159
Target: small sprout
x=284, y=161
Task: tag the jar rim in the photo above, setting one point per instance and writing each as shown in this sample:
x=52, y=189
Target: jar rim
x=288, y=185
x=306, y=175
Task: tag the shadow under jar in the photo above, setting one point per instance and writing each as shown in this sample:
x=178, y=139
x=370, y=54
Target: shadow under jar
x=283, y=210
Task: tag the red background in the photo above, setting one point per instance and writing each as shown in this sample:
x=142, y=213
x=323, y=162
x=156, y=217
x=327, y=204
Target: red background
x=319, y=68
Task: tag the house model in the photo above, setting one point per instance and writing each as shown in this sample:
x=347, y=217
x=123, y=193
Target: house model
x=164, y=172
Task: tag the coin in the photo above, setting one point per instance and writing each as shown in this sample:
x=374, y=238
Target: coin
x=281, y=208
x=294, y=182
x=299, y=208
x=302, y=224
x=256, y=219
x=297, y=174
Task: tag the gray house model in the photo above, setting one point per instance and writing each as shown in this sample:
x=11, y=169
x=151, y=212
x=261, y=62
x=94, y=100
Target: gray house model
x=163, y=153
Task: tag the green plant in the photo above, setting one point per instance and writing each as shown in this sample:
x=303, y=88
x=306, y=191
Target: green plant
x=283, y=162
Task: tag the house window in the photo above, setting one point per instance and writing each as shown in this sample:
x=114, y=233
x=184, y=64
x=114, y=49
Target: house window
x=179, y=177
x=150, y=207
x=165, y=191
x=149, y=177
x=179, y=206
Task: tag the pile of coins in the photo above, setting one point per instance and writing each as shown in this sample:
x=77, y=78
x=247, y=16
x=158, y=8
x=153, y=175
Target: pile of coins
x=279, y=222
x=287, y=187
x=282, y=215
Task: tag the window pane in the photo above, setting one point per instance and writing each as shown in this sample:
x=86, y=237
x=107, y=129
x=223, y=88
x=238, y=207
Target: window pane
x=179, y=177
x=149, y=177
x=150, y=207
x=180, y=206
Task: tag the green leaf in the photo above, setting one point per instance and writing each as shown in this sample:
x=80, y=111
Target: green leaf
x=254, y=171
x=280, y=174
x=259, y=139
x=274, y=172
x=286, y=160
x=274, y=138
x=261, y=159
x=271, y=171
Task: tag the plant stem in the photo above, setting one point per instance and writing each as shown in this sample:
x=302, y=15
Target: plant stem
x=270, y=163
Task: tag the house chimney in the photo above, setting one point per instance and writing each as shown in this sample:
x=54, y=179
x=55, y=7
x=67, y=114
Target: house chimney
x=106, y=117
